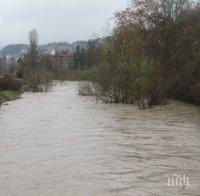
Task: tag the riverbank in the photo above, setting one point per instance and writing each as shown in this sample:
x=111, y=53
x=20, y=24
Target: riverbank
x=8, y=95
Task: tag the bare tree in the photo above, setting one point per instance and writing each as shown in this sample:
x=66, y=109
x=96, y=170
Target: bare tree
x=33, y=41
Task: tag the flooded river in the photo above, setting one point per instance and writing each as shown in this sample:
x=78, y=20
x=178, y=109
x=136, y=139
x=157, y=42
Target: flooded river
x=60, y=144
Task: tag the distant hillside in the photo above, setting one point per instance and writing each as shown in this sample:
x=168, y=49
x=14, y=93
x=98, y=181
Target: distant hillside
x=56, y=45
x=16, y=49
x=13, y=49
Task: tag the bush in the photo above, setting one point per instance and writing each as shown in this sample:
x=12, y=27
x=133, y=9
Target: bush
x=8, y=95
x=38, y=81
x=86, y=88
x=10, y=83
x=152, y=56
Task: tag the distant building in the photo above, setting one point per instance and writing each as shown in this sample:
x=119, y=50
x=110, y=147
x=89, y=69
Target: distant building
x=50, y=51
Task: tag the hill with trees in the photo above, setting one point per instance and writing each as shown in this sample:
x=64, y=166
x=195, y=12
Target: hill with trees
x=13, y=49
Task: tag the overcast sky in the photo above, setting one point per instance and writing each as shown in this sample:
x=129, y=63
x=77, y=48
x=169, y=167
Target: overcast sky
x=55, y=20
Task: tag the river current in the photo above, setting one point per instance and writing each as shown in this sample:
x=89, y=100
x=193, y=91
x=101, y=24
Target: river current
x=59, y=143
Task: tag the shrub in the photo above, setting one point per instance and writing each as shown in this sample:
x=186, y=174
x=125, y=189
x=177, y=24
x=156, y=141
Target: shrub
x=10, y=83
x=86, y=88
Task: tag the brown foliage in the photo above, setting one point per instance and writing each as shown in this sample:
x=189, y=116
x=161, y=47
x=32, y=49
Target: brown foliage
x=10, y=83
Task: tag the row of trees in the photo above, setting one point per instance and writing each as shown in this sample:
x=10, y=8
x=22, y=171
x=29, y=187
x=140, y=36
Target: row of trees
x=38, y=69
x=87, y=56
x=153, y=54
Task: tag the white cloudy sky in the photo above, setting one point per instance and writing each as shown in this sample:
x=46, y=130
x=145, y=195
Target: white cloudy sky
x=55, y=20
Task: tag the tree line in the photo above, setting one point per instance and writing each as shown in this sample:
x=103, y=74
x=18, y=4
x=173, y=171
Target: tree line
x=38, y=69
x=153, y=54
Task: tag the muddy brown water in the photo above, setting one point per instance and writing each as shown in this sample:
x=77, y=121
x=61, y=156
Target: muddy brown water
x=60, y=144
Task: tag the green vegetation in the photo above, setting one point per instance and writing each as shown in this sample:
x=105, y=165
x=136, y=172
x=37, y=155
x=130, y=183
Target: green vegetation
x=8, y=95
x=152, y=56
x=37, y=69
x=37, y=81
x=10, y=89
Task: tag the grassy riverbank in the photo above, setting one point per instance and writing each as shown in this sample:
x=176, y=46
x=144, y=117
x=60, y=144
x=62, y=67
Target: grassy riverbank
x=8, y=95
